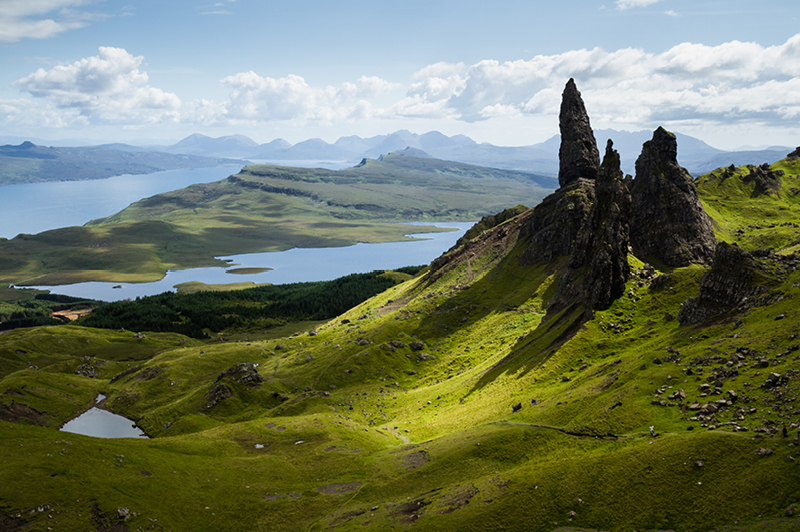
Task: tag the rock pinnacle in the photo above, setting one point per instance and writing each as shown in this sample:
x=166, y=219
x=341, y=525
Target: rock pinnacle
x=578, y=155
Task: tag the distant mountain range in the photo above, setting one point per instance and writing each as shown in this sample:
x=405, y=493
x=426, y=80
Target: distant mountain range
x=694, y=154
x=199, y=150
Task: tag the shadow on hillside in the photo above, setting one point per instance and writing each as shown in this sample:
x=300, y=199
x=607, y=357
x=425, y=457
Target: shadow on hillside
x=505, y=289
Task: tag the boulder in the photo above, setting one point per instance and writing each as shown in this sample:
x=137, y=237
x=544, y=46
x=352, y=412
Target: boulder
x=668, y=222
x=578, y=155
x=243, y=373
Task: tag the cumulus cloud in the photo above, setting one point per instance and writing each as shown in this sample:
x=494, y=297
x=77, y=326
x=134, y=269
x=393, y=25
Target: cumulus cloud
x=731, y=81
x=690, y=83
x=627, y=4
x=106, y=88
x=20, y=19
x=255, y=99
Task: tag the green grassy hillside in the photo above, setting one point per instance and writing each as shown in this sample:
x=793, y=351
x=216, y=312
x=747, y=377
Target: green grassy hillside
x=451, y=401
x=756, y=207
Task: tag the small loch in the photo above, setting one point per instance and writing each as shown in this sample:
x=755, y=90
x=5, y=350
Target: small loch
x=102, y=424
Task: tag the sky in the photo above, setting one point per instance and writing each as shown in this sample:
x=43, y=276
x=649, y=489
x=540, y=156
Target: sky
x=96, y=71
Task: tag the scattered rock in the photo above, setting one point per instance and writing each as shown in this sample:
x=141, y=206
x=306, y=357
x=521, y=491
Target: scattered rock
x=339, y=489
x=243, y=373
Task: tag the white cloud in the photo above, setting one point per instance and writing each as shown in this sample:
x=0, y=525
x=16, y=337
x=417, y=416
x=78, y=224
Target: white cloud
x=256, y=99
x=20, y=19
x=627, y=4
x=106, y=88
x=731, y=81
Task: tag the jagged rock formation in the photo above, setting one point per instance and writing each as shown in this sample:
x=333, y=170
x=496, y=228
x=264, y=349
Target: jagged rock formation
x=555, y=222
x=668, y=223
x=737, y=280
x=602, y=245
x=794, y=155
x=766, y=180
x=578, y=155
x=598, y=264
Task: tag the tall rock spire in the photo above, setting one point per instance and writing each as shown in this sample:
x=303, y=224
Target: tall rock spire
x=578, y=155
x=602, y=244
x=668, y=222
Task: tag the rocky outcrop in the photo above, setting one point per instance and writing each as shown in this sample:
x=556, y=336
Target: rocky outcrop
x=554, y=224
x=794, y=155
x=602, y=245
x=578, y=155
x=668, y=223
x=766, y=181
x=733, y=280
x=243, y=373
x=598, y=264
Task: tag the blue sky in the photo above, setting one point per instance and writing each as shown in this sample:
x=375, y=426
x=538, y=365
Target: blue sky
x=146, y=71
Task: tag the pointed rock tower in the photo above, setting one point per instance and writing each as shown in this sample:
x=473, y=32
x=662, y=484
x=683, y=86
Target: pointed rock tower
x=578, y=155
x=602, y=244
x=668, y=223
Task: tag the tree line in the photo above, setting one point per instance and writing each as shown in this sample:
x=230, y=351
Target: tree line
x=262, y=307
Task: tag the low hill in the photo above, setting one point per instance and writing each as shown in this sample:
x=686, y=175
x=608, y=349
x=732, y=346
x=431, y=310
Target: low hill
x=29, y=163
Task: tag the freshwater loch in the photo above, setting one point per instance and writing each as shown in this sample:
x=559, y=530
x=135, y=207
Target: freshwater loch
x=102, y=424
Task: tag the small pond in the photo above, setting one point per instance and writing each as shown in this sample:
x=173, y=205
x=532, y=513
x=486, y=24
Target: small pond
x=103, y=424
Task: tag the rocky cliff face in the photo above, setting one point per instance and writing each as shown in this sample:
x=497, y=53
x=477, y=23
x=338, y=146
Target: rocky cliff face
x=554, y=223
x=588, y=225
x=578, y=155
x=668, y=223
x=602, y=245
